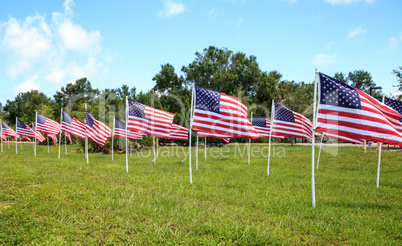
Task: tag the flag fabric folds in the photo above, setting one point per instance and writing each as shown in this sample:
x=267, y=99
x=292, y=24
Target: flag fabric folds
x=8, y=131
x=24, y=130
x=211, y=135
x=290, y=123
x=349, y=112
x=120, y=131
x=345, y=139
x=53, y=137
x=68, y=136
x=4, y=137
x=263, y=126
x=218, y=113
x=72, y=125
x=149, y=120
x=96, y=130
x=39, y=135
x=178, y=132
x=46, y=125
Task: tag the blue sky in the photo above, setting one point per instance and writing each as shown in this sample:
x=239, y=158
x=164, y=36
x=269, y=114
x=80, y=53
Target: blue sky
x=46, y=44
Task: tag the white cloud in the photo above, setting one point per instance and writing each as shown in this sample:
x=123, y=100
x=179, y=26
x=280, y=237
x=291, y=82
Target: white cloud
x=356, y=31
x=291, y=1
x=393, y=42
x=321, y=59
x=347, y=2
x=56, y=50
x=27, y=85
x=171, y=8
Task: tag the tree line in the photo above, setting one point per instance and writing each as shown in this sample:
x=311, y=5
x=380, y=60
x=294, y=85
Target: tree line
x=219, y=69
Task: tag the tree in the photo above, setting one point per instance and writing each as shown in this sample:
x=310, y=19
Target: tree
x=362, y=79
x=398, y=74
x=341, y=77
x=26, y=104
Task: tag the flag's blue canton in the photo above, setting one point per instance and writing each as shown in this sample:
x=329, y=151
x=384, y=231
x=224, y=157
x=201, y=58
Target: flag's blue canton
x=21, y=124
x=118, y=124
x=136, y=109
x=259, y=120
x=67, y=117
x=207, y=99
x=283, y=114
x=33, y=127
x=41, y=119
x=396, y=105
x=89, y=118
x=4, y=126
x=334, y=92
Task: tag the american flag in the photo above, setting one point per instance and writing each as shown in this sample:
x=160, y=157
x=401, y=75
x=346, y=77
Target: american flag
x=96, y=130
x=349, y=112
x=263, y=126
x=120, y=131
x=396, y=105
x=24, y=130
x=178, y=132
x=211, y=135
x=53, y=137
x=8, y=131
x=39, y=135
x=218, y=113
x=4, y=137
x=46, y=125
x=148, y=120
x=290, y=123
x=72, y=125
x=68, y=136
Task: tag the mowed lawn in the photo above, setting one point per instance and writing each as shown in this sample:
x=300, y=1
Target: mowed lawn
x=46, y=200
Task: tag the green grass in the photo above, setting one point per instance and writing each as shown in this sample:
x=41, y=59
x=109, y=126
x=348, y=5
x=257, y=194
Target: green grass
x=46, y=200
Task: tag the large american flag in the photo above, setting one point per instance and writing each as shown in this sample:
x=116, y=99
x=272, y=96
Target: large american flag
x=24, y=130
x=46, y=125
x=218, y=113
x=263, y=126
x=120, y=131
x=96, y=130
x=178, y=132
x=396, y=105
x=8, y=131
x=149, y=120
x=290, y=123
x=349, y=112
x=72, y=125
x=39, y=135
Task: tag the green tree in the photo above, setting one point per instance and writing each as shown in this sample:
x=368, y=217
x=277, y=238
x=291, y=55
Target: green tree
x=398, y=74
x=341, y=77
x=362, y=79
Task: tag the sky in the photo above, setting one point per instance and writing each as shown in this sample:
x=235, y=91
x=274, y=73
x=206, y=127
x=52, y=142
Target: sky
x=46, y=44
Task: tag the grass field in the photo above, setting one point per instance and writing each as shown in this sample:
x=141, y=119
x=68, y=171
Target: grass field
x=45, y=200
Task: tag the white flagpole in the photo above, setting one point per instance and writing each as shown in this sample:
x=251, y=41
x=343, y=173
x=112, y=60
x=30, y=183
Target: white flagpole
x=205, y=150
x=270, y=133
x=196, y=154
x=153, y=142
x=378, y=169
x=86, y=137
x=126, y=134
x=114, y=119
x=249, y=141
x=319, y=153
x=16, y=141
x=191, y=124
x=365, y=146
x=61, y=115
x=157, y=147
x=1, y=134
x=47, y=140
x=313, y=139
x=65, y=141
x=21, y=142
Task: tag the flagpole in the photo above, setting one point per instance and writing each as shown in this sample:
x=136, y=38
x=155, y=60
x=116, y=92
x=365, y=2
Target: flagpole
x=196, y=156
x=16, y=140
x=126, y=133
x=114, y=119
x=153, y=142
x=365, y=146
x=8, y=142
x=61, y=115
x=191, y=123
x=205, y=151
x=313, y=139
x=86, y=137
x=65, y=141
x=249, y=141
x=379, y=156
x=270, y=133
x=319, y=153
x=21, y=142
x=157, y=147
